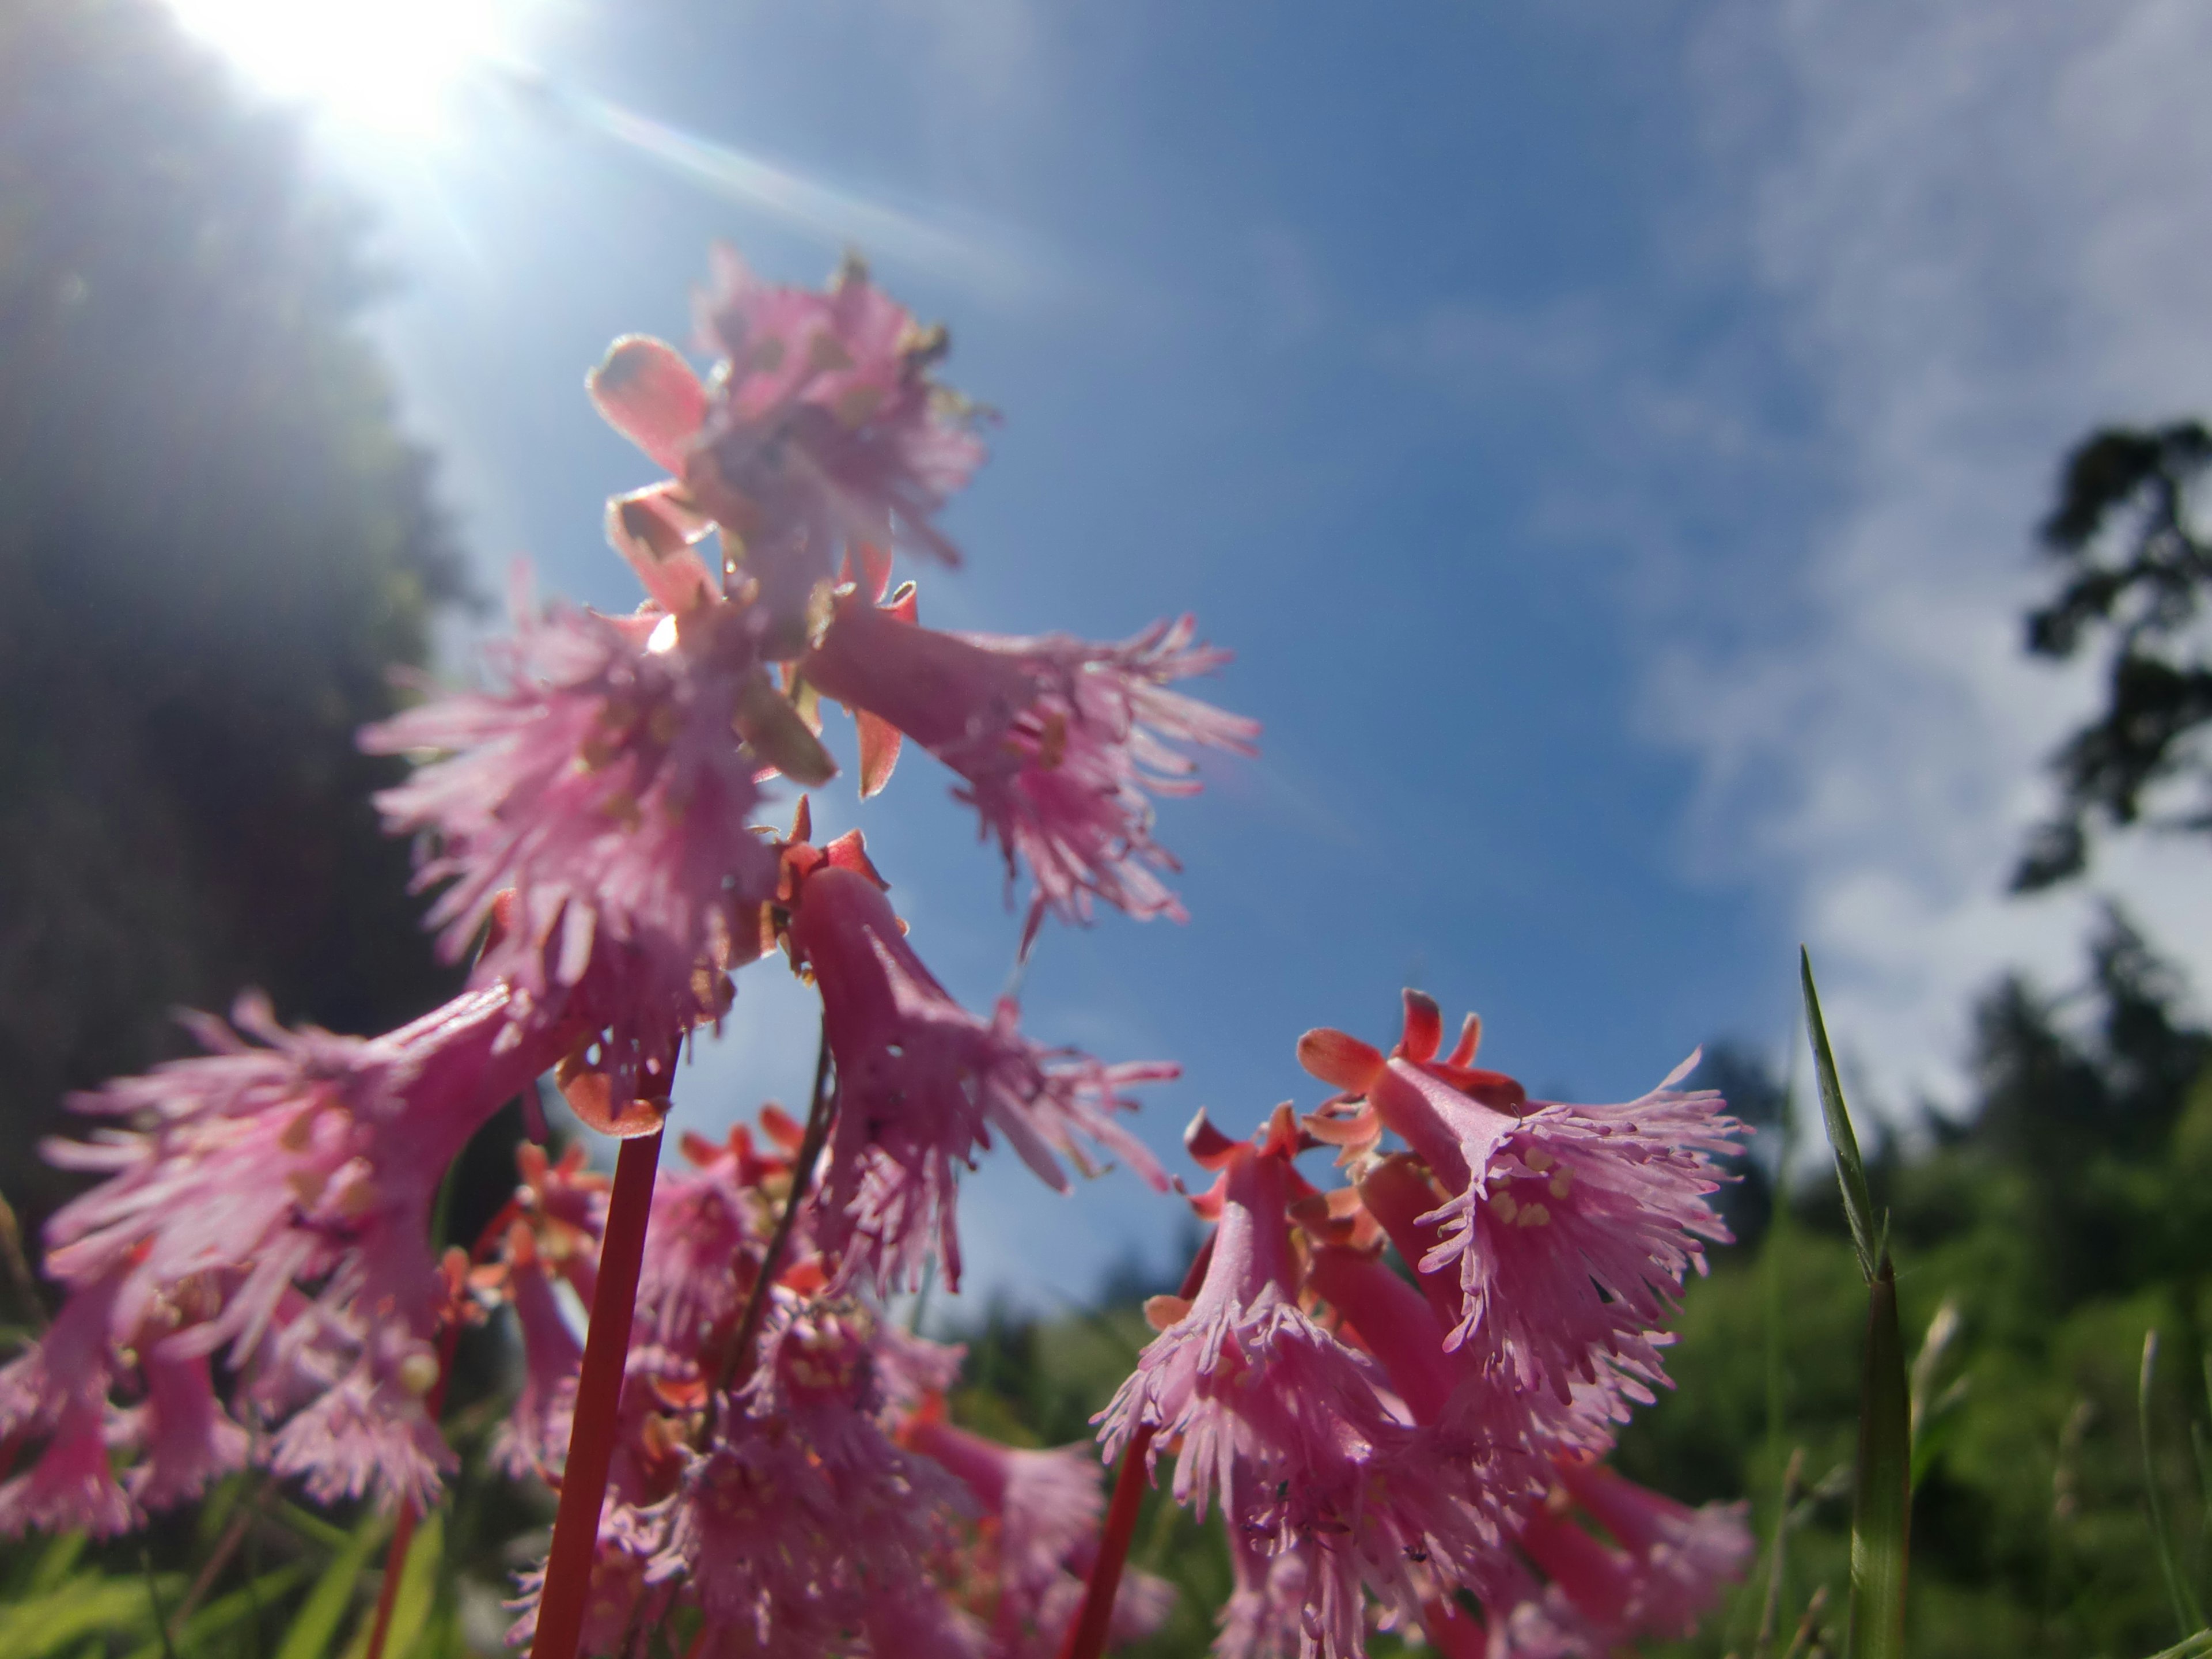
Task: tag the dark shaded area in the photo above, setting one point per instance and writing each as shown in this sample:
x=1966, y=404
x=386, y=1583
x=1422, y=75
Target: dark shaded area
x=214, y=545
x=2134, y=570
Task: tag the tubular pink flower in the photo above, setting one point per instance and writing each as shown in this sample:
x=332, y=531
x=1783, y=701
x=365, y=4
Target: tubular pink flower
x=802, y=1521
x=603, y=783
x=822, y=428
x=1047, y=1502
x=1264, y=1617
x=1571, y=1227
x=1671, y=1560
x=275, y=1206
x=922, y=1084
x=1040, y=1513
x=1060, y=743
x=1300, y=1436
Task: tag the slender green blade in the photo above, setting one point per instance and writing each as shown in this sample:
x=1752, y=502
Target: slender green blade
x=1851, y=1169
x=318, y=1620
x=2184, y=1602
x=225, y=1612
x=1882, y=1508
x=79, y=1607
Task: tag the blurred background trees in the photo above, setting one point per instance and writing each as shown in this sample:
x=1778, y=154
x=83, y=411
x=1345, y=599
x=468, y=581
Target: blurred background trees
x=2133, y=573
x=214, y=545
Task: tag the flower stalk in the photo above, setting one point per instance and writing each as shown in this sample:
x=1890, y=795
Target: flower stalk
x=599, y=1396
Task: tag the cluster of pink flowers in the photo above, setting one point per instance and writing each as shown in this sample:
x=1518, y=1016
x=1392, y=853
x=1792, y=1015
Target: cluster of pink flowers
x=1381, y=1444
x=254, y=1282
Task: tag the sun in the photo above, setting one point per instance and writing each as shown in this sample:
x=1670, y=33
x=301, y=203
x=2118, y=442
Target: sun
x=387, y=65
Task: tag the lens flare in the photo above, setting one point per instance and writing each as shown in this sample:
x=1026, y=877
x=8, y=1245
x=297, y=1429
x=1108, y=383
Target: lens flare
x=386, y=64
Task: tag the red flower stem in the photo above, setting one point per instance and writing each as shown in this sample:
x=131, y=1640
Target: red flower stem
x=1086, y=1636
x=599, y=1394
x=738, y=1356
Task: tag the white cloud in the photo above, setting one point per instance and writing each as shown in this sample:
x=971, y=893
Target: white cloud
x=1984, y=227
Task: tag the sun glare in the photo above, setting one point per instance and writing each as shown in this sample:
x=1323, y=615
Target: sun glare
x=390, y=64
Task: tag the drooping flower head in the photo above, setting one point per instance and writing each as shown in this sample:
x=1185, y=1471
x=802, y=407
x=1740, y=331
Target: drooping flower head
x=821, y=429
x=1036, y=1534
x=596, y=797
x=1662, y=1571
x=1572, y=1228
x=923, y=1085
x=1060, y=743
x=273, y=1209
x=1302, y=1438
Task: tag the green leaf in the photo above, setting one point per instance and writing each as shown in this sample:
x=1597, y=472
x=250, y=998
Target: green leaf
x=55, y=1561
x=2186, y=1613
x=1882, y=1506
x=83, y=1606
x=226, y=1611
x=1851, y=1169
x=317, y=1622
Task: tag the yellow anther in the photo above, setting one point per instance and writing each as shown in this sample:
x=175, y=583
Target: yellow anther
x=294, y=1136
x=418, y=1372
x=357, y=1198
x=1563, y=1183
x=1533, y=1215
x=1537, y=1159
x=1505, y=1208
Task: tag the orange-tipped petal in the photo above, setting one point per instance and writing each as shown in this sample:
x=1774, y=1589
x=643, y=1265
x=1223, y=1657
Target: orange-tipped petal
x=850, y=852
x=1425, y=1026
x=649, y=394
x=1470, y=1039
x=1162, y=1311
x=905, y=606
x=1339, y=1058
x=1208, y=1147
x=879, y=751
x=1361, y=1128
x=779, y=1126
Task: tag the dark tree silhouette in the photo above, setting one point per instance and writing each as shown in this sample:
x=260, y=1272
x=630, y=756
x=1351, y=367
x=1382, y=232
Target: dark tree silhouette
x=2136, y=570
x=213, y=544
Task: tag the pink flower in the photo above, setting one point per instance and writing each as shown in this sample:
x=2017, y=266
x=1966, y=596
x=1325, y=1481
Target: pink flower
x=922, y=1084
x=803, y=1521
x=276, y=1207
x=1677, y=1558
x=1301, y=1436
x=1571, y=1227
x=822, y=428
x=1061, y=744
x=603, y=783
x=1039, y=1534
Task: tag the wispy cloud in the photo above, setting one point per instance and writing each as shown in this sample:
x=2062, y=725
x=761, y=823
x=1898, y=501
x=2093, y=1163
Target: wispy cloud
x=1982, y=227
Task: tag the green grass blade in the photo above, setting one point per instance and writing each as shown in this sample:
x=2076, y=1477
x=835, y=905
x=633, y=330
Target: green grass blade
x=225, y=1612
x=317, y=1623
x=1881, y=1507
x=2186, y=1613
x=1851, y=1169
x=83, y=1606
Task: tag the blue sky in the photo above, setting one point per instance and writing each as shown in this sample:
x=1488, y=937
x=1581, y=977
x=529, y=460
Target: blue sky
x=1607, y=436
